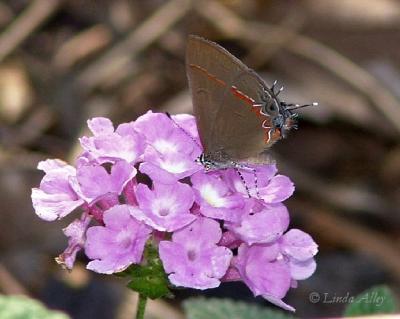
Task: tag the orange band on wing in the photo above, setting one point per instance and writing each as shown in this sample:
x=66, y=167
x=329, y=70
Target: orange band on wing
x=209, y=75
x=248, y=100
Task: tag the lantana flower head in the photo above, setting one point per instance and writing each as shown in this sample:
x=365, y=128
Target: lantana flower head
x=205, y=227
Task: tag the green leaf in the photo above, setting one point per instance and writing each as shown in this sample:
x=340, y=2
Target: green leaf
x=20, y=307
x=201, y=308
x=149, y=279
x=376, y=300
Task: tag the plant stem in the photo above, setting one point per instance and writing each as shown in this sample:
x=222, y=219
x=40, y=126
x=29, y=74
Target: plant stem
x=141, y=306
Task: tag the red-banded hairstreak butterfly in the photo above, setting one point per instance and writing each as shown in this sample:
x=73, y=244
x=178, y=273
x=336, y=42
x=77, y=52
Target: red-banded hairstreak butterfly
x=238, y=116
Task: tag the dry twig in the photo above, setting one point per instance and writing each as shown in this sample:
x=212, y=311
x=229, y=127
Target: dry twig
x=351, y=235
x=36, y=14
x=118, y=59
x=81, y=46
x=9, y=284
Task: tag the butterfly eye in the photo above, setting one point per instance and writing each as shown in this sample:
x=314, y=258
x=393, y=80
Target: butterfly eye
x=271, y=108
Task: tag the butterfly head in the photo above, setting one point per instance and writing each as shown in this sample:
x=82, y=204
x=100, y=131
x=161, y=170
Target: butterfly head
x=281, y=114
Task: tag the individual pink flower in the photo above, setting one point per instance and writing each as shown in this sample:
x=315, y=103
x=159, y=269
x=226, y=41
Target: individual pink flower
x=76, y=233
x=171, y=150
x=107, y=145
x=165, y=207
x=261, y=223
x=117, y=244
x=270, y=270
x=265, y=272
x=168, y=168
x=166, y=136
x=192, y=259
x=215, y=198
x=55, y=198
x=93, y=181
x=300, y=248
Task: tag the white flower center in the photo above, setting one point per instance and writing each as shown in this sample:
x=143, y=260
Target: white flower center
x=191, y=255
x=124, y=238
x=210, y=194
x=164, y=206
x=164, y=146
x=173, y=167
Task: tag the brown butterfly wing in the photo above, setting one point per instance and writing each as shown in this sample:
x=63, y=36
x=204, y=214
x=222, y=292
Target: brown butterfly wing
x=209, y=68
x=229, y=125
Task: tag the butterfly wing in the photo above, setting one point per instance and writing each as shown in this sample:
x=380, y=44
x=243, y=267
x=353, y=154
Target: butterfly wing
x=224, y=92
x=209, y=68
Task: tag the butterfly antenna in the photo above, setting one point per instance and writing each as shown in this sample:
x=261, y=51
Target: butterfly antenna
x=298, y=106
x=183, y=130
x=279, y=91
x=272, y=88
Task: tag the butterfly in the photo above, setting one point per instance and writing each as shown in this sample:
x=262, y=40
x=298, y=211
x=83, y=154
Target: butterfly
x=239, y=117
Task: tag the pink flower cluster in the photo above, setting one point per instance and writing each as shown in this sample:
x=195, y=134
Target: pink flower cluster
x=206, y=227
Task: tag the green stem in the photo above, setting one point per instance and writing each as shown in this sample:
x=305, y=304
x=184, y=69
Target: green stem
x=141, y=306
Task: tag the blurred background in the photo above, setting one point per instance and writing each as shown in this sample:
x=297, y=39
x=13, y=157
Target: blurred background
x=62, y=62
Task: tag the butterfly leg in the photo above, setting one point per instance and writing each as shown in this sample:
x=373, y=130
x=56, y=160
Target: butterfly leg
x=238, y=167
x=243, y=181
x=263, y=113
x=264, y=124
x=256, y=182
x=270, y=131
